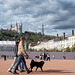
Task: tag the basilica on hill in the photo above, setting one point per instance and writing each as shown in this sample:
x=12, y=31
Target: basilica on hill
x=17, y=28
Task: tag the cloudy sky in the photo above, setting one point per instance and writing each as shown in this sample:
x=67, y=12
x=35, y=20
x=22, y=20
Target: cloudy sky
x=57, y=16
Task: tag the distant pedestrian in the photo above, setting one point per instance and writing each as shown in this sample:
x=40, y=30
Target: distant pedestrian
x=44, y=56
x=40, y=57
x=48, y=57
x=4, y=57
x=64, y=57
x=53, y=57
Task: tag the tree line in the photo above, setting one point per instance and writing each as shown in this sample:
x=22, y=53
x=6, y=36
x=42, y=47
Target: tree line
x=32, y=37
x=29, y=36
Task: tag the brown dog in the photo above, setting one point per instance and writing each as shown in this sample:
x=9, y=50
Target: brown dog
x=37, y=64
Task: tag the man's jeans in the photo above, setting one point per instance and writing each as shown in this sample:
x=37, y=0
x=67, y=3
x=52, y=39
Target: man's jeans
x=20, y=58
x=22, y=65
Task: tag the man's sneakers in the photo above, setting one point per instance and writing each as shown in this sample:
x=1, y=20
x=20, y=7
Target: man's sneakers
x=18, y=73
x=15, y=73
x=9, y=71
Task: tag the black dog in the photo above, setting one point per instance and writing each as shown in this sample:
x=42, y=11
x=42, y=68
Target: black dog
x=37, y=64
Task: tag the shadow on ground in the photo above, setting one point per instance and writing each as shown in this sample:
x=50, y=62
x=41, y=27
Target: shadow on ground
x=52, y=71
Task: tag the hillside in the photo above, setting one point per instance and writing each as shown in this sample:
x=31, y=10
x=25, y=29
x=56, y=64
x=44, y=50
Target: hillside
x=29, y=36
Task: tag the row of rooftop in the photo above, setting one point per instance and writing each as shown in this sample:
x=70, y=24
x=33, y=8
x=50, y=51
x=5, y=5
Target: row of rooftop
x=59, y=38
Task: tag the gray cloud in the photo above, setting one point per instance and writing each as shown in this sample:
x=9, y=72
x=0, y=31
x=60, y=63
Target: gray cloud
x=65, y=27
x=56, y=15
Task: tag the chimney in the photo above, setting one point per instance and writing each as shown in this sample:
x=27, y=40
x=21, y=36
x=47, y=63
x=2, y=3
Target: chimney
x=57, y=35
x=72, y=32
x=60, y=38
x=63, y=35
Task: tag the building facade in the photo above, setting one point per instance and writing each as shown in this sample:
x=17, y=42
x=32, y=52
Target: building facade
x=58, y=44
x=17, y=28
x=43, y=45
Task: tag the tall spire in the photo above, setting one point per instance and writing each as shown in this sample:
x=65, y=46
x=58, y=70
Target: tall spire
x=11, y=26
x=16, y=27
x=21, y=23
x=21, y=27
x=42, y=29
x=16, y=23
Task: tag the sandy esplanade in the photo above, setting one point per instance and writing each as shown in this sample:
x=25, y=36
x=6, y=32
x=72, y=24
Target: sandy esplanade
x=53, y=67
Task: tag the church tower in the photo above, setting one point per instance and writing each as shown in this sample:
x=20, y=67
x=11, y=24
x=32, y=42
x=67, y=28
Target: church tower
x=11, y=26
x=42, y=29
x=21, y=27
x=16, y=27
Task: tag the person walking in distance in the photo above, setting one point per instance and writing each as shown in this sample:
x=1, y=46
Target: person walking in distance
x=44, y=56
x=53, y=56
x=21, y=54
x=48, y=57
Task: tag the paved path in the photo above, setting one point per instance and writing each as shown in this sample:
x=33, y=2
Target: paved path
x=53, y=67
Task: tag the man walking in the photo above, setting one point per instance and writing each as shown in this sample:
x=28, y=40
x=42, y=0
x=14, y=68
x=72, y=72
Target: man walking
x=15, y=58
x=21, y=54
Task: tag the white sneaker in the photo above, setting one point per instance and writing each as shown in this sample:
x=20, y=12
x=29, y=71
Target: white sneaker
x=9, y=71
